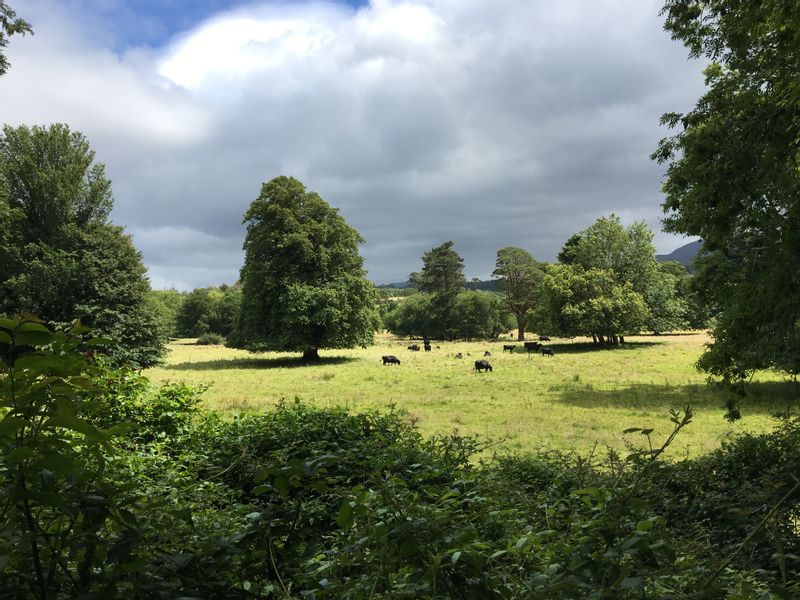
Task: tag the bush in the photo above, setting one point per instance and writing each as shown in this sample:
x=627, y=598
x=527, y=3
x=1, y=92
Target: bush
x=211, y=339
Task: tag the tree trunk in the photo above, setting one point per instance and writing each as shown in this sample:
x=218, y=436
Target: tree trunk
x=310, y=355
x=520, y=328
x=622, y=339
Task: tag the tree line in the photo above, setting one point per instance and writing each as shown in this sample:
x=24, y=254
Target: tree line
x=606, y=284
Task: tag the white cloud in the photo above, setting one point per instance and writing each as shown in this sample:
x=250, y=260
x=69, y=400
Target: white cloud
x=492, y=124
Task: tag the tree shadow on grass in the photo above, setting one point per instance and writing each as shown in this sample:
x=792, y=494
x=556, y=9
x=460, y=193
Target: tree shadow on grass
x=281, y=362
x=769, y=398
x=585, y=347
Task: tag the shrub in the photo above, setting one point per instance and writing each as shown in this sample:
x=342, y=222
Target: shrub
x=211, y=339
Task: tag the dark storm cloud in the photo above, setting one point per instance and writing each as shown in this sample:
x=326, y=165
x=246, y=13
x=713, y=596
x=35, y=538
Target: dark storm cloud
x=510, y=123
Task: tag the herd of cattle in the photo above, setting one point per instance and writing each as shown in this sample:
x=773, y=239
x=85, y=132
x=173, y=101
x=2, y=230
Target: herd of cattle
x=480, y=365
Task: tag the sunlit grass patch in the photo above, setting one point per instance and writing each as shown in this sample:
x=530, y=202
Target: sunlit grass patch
x=580, y=397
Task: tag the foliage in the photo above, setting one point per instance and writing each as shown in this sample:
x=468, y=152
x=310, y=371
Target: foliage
x=56, y=495
x=209, y=310
x=698, y=314
x=303, y=282
x=165, y=304
x=60, y=257
x=578, y=301
x=733, y=178
x=442, y=277
x=629, y=253
x=320, y=503
x=10, y=24
x=519, y=278
x=474, y=315
x=210, y=339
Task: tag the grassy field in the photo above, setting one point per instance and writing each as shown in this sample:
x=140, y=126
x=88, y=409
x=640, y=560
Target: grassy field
x=579, y=398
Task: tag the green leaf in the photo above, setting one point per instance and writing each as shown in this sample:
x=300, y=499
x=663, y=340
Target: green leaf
x=34, y=361
x=282, y=485
x=644, y=525
x=455, y=557
x=20, y=454
x=32, y=326
x=10, y=425
x=346, y=517
x=8, y=324
x=4, y=338
x=34, y=338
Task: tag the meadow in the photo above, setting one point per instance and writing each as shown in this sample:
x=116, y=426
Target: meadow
x=583, y=398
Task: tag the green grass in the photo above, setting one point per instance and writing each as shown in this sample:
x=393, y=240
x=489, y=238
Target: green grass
x=581, y=397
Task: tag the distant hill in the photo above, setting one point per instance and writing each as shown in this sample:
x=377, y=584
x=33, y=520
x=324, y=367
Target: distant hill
x=684, y=255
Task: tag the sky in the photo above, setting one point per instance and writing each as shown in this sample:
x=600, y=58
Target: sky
x=492, y=124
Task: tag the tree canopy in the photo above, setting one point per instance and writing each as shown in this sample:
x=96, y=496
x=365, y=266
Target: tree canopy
x=304, y=286
x=578, y=301
x=733, y=177
x=61, y=259
x=10, y=24
x=629, y=253
x=442, y=276
x=519, y=278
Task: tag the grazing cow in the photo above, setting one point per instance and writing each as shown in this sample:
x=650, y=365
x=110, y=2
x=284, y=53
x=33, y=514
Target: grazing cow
x=487, y=353
x=532, y=345
x=390, y=359
x=459, y=355
x=547, y=352
x=509, y=347
x=414, y=348
x=482, y=365
x=544, y=338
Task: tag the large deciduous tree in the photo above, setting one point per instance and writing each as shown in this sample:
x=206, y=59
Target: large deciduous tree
x=10, y=24
x=629, y=253
x=60, y=258
x=733, y=178
x=519, y=277
x=304, y=287
x=578, y=301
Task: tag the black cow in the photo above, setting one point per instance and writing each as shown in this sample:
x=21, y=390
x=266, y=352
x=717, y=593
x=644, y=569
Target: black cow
x=547, y=352
x=544, y=338
x=414, y=348
x=390, y=360
x=428, y=347
x=509, y=347
x=487, y=353
x=532, y=345
x=482, y=365
x=459, y=355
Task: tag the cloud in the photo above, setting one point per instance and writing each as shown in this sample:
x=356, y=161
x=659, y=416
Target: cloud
x=508, y=123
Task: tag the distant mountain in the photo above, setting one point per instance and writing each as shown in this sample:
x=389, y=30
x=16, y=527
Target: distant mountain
x=684, y=255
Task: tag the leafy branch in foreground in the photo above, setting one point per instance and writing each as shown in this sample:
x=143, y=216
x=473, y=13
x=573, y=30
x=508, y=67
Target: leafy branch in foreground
x=54, y=496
